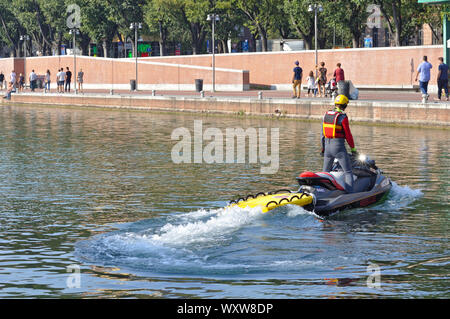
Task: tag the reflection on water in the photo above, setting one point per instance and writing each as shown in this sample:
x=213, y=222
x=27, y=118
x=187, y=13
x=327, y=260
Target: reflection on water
x=98, y=188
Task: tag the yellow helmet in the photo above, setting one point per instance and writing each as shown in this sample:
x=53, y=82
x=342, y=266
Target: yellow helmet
x=341, y=100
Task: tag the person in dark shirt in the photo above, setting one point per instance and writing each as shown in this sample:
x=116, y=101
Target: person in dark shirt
x=297, y=80
x=2, y=80
x=442, y=78
x=339, y=73
x=68, y=80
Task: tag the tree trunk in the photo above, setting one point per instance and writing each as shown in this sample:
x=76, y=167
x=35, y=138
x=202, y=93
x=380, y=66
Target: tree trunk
x=253, y=43
x=198, y=37
x=106, y=44
x=84, y=44
x=163, y=39
x=224, y=46
x=58, y=43
x=263, y=37
x=307, y=37
x=356, y=36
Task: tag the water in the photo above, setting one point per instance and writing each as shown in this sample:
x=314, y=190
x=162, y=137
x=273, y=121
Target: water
x=97, y=189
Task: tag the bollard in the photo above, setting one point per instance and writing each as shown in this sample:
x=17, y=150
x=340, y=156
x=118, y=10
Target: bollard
x=202, y=94
x=260, y=95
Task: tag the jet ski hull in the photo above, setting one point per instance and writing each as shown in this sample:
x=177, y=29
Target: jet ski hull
x=330, y=205
x=324, y=193
x=369, y=185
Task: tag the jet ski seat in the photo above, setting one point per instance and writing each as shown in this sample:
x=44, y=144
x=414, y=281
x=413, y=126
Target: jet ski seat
x=334, y=179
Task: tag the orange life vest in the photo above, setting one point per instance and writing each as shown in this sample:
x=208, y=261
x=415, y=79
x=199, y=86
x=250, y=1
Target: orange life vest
x=332, y=125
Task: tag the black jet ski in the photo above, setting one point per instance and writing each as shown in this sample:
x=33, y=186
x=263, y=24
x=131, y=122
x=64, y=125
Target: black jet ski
x=324, y=193
x=329, y=195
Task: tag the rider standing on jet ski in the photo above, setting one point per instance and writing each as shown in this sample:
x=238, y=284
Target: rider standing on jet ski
x=335, y=132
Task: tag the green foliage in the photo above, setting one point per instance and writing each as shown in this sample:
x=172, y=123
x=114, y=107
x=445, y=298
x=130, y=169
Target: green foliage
x=185, y=21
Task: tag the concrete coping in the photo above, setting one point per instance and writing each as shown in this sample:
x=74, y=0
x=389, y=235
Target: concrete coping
x=252, y=99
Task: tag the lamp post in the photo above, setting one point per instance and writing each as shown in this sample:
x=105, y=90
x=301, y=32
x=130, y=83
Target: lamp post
x=136, y=26
x=213, y=17
x=74, y=32
x=25, y=38
x=316, y=8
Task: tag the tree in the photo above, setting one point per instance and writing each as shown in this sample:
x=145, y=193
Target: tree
x=157, y=18
x=400, y=17
x=262, y=14
x=229, y=26
x=349, y=14
x=302, y=21
x=431, y=15
x=123, y=13
x=98, y=24
x=10, y=29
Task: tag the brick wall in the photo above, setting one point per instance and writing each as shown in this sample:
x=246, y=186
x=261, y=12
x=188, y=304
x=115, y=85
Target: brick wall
x=373, y=67
x=101, y=73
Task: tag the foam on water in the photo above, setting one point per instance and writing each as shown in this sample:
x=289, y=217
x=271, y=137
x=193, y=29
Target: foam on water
x=221, y=241
x=400, y=197
x=221, y=222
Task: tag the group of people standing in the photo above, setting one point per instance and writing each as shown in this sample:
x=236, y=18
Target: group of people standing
x=63, y=80
x=316, y=84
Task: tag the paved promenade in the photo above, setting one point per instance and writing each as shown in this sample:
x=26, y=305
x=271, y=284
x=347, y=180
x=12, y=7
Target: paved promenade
x=389, y=107
x=364, y=95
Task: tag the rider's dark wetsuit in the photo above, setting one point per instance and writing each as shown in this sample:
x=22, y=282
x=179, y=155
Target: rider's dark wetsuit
x=335, y=132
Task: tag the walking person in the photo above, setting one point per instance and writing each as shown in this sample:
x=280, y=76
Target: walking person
x=13, y=79
x=442, y=78
x=322, y=79
x=68, y=80
x=47, y=80
x=80, y=80
x=297, y=80
x=424, y=71
x=33, y=78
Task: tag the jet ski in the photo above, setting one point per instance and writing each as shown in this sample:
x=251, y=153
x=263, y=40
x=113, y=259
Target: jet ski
x=323, y=192
x=369, y=187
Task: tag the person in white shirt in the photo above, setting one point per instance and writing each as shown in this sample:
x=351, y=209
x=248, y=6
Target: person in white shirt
x=47, y=82
x=61, y=77
x=311, y=82
x=12, y=78
x=57, y=80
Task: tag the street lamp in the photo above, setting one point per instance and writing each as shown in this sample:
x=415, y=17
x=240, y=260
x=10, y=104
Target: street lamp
x=213, y=17
x=136, y=26
x=74, y=32
x=25, y=38
x=316, y=8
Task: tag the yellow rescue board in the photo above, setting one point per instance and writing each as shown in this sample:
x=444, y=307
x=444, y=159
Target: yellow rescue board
x=269, y=202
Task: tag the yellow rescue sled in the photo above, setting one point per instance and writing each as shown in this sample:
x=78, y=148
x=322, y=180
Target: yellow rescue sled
x=271, y=200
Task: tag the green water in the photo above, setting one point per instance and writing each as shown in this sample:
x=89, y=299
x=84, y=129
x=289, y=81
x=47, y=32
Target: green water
x=98, y=189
